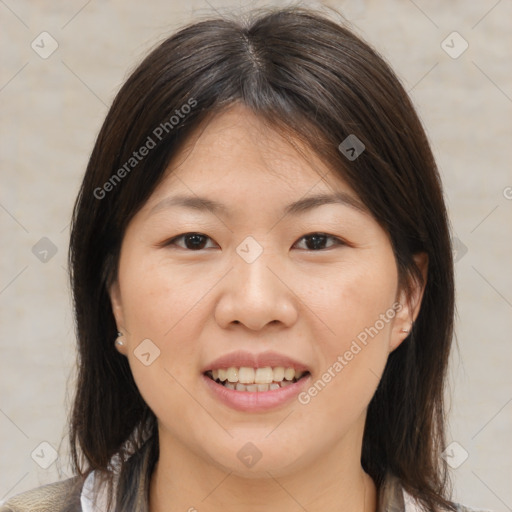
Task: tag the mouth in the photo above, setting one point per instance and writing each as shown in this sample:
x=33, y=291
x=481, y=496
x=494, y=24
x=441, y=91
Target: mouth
x=254, y=380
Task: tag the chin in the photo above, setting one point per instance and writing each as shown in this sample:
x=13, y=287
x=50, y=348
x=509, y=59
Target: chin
x=253, y=460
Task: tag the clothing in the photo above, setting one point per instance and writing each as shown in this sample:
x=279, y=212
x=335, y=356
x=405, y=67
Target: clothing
x=391, y=498
x=72, y=496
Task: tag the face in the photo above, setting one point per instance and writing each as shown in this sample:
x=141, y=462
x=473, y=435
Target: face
x=313, y=286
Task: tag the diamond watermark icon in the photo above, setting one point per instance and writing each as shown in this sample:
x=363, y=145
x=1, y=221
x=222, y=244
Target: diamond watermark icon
x=44, y=455
x=44, y=250
x=44, y=45
x=146, y=352
x=249, y=250
x=454, y=45
x=351, y=147
x=249, y=454
x=455, y=455
x=459, y=249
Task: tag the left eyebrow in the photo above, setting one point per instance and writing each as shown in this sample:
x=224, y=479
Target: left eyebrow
x=310, y=202
x=296, y=208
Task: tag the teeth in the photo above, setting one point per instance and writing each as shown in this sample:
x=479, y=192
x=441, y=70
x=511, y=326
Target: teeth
x=265, y=375
x=289, y=373
x=232, y=374
x=252, y=388
x=256, y=379
x=246, y=375
x=278, y=374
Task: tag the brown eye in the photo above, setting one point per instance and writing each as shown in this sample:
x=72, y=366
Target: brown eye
x=317, y=241
x=191, y=241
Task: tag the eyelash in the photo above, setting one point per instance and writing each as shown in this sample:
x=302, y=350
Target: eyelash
x=338, y=241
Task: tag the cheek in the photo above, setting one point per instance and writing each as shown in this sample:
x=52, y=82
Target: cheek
x=157, y=298
x=354, y=297
x=161, y=305
x=355, y=306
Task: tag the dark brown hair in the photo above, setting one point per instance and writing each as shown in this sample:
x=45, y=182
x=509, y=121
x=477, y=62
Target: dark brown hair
x=312, y=78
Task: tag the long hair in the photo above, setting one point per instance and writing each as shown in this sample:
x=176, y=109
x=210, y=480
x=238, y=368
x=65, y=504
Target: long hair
x=312, y=78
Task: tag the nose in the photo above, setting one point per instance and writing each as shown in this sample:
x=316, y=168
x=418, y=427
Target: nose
x=256, y=294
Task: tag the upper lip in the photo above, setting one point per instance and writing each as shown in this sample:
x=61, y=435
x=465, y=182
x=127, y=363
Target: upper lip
x=250, y=360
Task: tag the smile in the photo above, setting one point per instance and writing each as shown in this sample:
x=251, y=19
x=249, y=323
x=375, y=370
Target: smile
x=256, y=379
x=256, y=396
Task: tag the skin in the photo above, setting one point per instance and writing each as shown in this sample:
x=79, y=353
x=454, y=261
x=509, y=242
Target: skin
x=306, y=302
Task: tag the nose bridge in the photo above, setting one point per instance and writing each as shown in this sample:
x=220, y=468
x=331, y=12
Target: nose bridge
x=254, y=280
x=255, y=295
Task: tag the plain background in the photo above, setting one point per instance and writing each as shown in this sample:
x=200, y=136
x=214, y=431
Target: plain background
x=52, y=108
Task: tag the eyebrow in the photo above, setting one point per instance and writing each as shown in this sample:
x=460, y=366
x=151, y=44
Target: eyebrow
x=298, y=207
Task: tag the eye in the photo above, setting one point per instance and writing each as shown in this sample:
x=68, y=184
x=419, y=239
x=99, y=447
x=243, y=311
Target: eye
x=198, y=241
x=192, y=241
x=317, y=241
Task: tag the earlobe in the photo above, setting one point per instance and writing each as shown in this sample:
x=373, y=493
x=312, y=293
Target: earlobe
x=410, y=301
x=117, y=310
x=402, y=325
x=120, y=342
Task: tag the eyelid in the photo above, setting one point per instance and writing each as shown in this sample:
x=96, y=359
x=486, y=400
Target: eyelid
x=338, y=241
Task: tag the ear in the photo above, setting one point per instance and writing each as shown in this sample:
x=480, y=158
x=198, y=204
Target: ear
x=410, y=302
x=117, y=309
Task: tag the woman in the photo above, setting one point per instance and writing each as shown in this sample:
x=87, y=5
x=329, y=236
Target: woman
x=263, y=284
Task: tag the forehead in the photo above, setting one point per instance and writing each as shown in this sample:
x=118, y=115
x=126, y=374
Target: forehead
x=235, y=156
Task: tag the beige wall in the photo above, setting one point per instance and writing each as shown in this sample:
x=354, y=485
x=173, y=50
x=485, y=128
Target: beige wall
x=51, y=110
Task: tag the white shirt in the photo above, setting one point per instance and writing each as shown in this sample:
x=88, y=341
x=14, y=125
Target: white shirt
x=86, y=498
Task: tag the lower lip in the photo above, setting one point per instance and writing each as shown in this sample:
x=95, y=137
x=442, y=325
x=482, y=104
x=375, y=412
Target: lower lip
x=248, y=401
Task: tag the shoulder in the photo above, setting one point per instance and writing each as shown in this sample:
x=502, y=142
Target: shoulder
x=393, y=497
x=462, y=508
x=411, y=505
x=63, y=496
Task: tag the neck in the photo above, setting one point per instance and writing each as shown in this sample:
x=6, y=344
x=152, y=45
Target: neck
x=186, y=481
